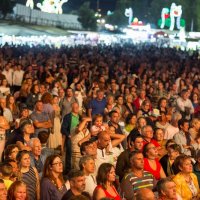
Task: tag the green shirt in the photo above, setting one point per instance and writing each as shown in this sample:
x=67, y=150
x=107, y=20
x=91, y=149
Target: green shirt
x=74, y=122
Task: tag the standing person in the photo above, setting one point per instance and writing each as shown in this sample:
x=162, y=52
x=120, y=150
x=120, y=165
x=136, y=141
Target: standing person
x=67, y=102
x=52, y=184
x=18, y=191
x=105, y=179
x=137, y=178
x=18, y=75
x=55, y=138
x=186, y=182
x=68, y=126
x=77, y=185
x=3, y=127
x=28, y=175
x=97, y=105
x=32, y=97
x=41, y=120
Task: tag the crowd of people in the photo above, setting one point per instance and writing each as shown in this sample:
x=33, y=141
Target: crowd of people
x=119, y=122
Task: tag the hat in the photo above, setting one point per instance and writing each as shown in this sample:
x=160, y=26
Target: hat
x=23, y=107
x=155, y=113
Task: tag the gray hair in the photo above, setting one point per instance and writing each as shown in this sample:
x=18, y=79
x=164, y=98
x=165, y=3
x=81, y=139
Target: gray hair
x=144, y=129
x=32, y=140
x=83, y=160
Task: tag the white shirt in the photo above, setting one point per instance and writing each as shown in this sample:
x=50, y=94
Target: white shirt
x=18, y=77
x=9, y=76
x=90, y=184
x=170, y=131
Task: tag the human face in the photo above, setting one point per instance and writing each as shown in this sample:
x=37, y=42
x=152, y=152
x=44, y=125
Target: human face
x=98, y=122
x=137, y=161
x=25, y=161
x=3, y=191
x=14, y=153
x=138, y=144
x=142, y=122
x=115, y=118
x=20, y=192
x=29, y=128
x=120, y=101
x=133, y=120
x=25, y=113
x=89, y=166
x=111, y=175
x=163, y=103
x=69, y=93
x=14, y=166
x=170, y=190
x=57, y=165
x=142, y=95
x=78, y=183
x=173, y=154
x=186, y=166
x=185, y=127
x=152, y=150
x=39, y=106
x=159, y=135
x=55, y=100
x=3, y=103
x=91, y=150
x=100, y=95
x=148, y=132
x=75, y=108
x=104, y=141
x=37, y=147
x=11, y=100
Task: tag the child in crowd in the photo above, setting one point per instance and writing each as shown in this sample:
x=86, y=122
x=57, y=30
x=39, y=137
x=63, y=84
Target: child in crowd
x=6, y=173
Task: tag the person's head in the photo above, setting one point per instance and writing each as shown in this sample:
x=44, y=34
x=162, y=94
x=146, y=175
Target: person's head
x=24, y=112
x=184, y=94
x=88, y=148
x=11, y=152
x=3, y=190
x=106, y=173
x=103, y=139
x=166, y=189
x=23, y=159
x=87, y=164
x=141, y=121
x=110, y=100
x=174, y=150
x=147, y=132
x=98, y=120
x=195, y=123
x=100, y=95
x=146, y=105
x=35, y=89
x=131, y=119
x=159, y=134
x=4, y=82
x=14, y=165
x=162, y=103
x=3, y=102
x=184, y=164
x=136, y=160
x=150, y=150
x=39, y=106
x=120, y=100
x=136, y=141
x=144, y=194
x=75, y=108
x=183, y=125
x=10, y=100
x=18, y=191
x=129, y=98
x=76, y=180
x=26, y=126
x=36, y=146
x=114, y=117
x=176, y=116
x=142, y=94
x=55, y=99
x=43, y=136
x=69, y=92
x=46, y=98
x=6, y=170
x=163, y=116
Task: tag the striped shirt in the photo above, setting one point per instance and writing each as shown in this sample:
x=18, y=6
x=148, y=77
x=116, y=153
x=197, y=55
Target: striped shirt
x=131, y=183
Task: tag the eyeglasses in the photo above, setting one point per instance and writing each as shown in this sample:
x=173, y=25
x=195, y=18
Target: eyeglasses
x=58, y=163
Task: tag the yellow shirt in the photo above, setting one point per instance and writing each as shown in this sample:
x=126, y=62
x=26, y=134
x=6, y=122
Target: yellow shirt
x=182, y=187
x=7, y=183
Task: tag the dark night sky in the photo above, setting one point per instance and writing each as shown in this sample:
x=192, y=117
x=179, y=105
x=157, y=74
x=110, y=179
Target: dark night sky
x=105, y=5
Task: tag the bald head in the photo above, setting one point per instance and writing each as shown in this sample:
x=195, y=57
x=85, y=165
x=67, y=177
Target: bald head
x=145, y=194
x=103, y=139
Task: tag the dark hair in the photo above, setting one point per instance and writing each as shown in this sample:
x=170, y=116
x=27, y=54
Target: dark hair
x=84, y=145
x=111, y=113
x=20, y=155
x=47, y=172
x=8, y=150
x=181, y=122
x=74, y=173
x=133, y=153
x=11, y=190
x=145, y=149
x=175, y=147
x=178, y=163
x=168, y=142
x=161, y=184
x=43, y=136
x=133, y=137
x=6, y=169
x=103, y=171
x=128, y=118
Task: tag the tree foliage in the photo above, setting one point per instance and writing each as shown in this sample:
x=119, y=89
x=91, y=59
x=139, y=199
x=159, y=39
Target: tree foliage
x=87, y=17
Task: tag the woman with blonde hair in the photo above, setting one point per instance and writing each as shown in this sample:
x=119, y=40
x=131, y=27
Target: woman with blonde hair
x=52, y=184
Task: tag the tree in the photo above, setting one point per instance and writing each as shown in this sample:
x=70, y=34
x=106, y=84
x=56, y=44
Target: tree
x=87, y=17
x=6, y=7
